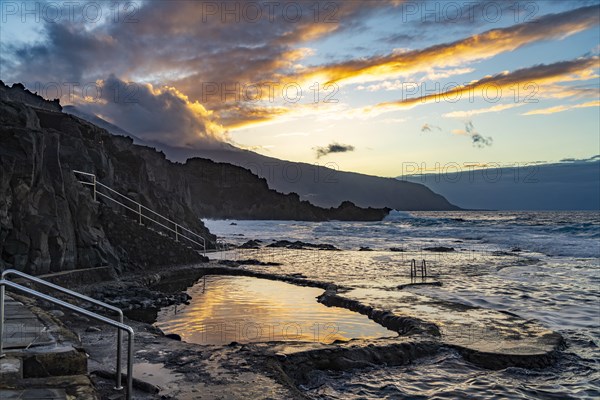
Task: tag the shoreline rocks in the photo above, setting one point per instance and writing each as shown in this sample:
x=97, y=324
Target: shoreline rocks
x=299, y=245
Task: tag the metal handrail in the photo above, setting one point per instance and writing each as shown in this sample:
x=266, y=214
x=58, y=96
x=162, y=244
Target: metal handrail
x=178, y=228
x=79, y=296
x=4, y=283
x=156, y=222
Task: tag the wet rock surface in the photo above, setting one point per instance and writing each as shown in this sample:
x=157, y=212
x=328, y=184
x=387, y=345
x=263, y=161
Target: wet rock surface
x=401, y=324
x=302, y=362
x=251, y=261
x=185, y=371
x=439, y=249
x=299, y=245
x=251, y=244
x=133, y=296
x=396, y=249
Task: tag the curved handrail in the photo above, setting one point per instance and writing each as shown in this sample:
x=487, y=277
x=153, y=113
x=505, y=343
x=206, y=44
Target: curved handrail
x=80, y=297
x=4, y=283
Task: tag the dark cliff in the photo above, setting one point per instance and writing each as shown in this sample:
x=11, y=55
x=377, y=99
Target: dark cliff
x=222, y=190
x=49, y=221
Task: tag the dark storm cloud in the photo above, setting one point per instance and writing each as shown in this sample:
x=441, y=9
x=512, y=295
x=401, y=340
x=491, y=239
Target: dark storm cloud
x=185, y=38
x=333, y=148
x=180, y=44
x=155, y=114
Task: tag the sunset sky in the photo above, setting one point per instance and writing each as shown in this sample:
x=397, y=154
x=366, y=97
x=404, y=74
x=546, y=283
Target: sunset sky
x=381, y=82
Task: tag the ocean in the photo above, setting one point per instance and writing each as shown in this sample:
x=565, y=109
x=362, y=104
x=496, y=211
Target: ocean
x=541, y=266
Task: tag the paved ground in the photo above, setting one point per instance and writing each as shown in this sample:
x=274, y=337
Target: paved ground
x=22, y=328
x=25, y=336
x=33, y=394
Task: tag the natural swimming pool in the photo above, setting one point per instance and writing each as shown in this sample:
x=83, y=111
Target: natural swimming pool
x=226, y=309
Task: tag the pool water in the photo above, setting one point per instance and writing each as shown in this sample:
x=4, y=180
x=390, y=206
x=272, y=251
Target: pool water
x=227, y=309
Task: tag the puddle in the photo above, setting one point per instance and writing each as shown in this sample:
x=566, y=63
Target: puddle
x=156, y=374
x=225, y=309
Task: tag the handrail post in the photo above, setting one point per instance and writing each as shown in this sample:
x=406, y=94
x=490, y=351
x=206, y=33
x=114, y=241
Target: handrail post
x=176, y=234
x=94, y=182
x=129, y=365
x=1, y=319
x=119, y=386
x=140, y=212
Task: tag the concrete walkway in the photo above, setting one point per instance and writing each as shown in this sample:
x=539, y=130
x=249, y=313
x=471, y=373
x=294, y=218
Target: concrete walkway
x=22, y=328
x=37, y=364
x=33, y=394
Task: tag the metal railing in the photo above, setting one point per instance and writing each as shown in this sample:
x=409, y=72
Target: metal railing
x=79, y=296
x=221, y=247
x=122, y=327
x=177, y=229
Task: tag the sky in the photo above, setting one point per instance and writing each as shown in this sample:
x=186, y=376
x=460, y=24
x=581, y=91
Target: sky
x=377, y=87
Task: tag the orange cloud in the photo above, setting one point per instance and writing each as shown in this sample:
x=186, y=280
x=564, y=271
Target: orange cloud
x=481, y=46
x=531, y=80
x=449, y=55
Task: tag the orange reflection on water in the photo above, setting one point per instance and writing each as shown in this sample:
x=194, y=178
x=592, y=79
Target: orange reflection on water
x=225, y=309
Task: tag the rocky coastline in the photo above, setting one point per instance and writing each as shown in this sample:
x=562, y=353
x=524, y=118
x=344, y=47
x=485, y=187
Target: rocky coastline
x=282, y=367
x=49, y=221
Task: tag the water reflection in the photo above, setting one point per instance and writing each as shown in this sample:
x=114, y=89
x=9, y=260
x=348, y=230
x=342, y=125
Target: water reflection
x=224, y=309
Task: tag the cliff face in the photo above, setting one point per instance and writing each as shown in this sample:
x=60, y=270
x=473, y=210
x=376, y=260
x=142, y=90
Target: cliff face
x=222, y=190
x=49, y=221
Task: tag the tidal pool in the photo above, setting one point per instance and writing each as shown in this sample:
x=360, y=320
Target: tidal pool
x=227, y=309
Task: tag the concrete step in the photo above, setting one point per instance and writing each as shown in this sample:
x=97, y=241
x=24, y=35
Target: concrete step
x=22, y=328
x=33, y=394
x=11, y=369
x=60, y=360
x=32, y=340
x=78, y=387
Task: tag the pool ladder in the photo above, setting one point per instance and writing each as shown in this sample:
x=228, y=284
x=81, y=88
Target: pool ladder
x=413, y=269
